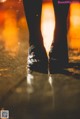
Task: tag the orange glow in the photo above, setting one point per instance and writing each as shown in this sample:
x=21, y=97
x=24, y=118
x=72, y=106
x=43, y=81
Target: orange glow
x=2, y=0
x=22, y=23
x=2, y=17
x=47, y=24
x=10, y=33
x=74, y=31
x=13, y=20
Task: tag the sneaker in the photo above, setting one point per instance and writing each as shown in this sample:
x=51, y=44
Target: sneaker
x=58, y=60
x=37, y=59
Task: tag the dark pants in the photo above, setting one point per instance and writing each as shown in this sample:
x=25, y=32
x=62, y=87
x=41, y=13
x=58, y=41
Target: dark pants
x=59, y=46
x=33, y=15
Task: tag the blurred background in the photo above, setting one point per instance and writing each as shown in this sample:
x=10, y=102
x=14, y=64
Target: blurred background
x=64, y=94
x=13, y=26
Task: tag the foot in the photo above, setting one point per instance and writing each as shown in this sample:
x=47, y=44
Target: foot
x=58, y=60
x=37, y=59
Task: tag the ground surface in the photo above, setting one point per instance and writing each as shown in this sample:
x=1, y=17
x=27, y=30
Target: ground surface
x=60, y=100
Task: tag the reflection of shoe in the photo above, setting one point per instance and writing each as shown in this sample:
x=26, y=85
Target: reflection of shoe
x=37, y=60
x=58, y=60
x=30, y=79
x=37, y=83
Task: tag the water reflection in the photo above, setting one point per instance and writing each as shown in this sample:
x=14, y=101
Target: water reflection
x=49, y=96
x=62, y=103
x=40, y=91
x=37, y=82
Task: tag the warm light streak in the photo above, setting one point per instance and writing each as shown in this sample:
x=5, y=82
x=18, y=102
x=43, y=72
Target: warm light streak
x=74, y=31
x=10, y=33
x=47, y=24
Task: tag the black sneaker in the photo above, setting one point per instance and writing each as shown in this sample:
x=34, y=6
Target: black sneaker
x=58, y=60
x=37, y=59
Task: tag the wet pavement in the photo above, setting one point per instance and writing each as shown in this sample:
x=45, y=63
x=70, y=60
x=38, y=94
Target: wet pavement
x=55, y=96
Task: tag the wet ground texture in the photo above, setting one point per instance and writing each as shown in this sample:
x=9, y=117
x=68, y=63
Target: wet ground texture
x=55, y=96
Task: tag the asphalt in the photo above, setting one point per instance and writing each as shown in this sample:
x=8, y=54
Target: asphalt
x=55, y=96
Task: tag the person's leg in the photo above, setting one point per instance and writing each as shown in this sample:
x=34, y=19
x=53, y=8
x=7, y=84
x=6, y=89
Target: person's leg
x=59, y=49
x=37, y=58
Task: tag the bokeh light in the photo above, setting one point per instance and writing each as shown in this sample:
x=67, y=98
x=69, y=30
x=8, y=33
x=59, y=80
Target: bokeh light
x=74, y=31
x=2, y=0
x=47, y=24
